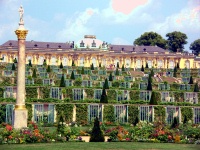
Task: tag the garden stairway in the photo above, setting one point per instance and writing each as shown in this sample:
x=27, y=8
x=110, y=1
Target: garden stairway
x=137, y=73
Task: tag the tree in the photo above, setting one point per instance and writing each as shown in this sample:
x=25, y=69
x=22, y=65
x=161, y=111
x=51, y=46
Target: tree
x=73, y=64
x=15, y=60
x=29, y=63
x=110, y=77
x=142, y=69
x=62, y=81
x=123, y=69
x=175, y=71
x=99, y=65
x=34, y=75
x=153, y=100
x=72, y=76
x=61, y=65
x=149, y=86
x=104, y=98
x=117, y=72
x=176, y=41
x=147, y=66
x=82, y=70
x=195, y=47
x=196, y=87
x=191, y=80
x=151, y=39
x=92, y=67
x=44, y=62
x=117, y=64
x=13, y=67
x=96, y=134
x=151, y=73
x=48, y=69
x=177, y=66
x=106, y=86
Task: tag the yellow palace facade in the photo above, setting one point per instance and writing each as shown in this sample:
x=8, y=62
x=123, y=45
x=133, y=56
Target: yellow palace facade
x=91, y=50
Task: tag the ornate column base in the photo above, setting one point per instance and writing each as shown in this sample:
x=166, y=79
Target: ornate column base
x=20, y=117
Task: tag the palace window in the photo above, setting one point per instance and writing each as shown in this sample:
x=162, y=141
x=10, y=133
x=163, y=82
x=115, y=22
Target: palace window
x=171, y=64
x=9, y=114
x=94, y=77
x=103, y=62
x=120, y=113
x=102, y=72
x=160, y=64
x=128, y=78
x=165, y=97
x=191, y=97
x=163, y=86
x=125, y=85
x=68, y=83
x=185, y=87
x=78, y=94
x=94, y=110
x=172, y=112
x=56, y=93
x=44, y=113
x=29, y=58
x=10, y=92
x=64, y=61
x=4, y=56
x=8, y=73
x=142, y=86
x=127, y=63
x=94, y=61
x=146, y=113
x=149, y=64
x=53, y=60
x=87, y=83
x=197, y=115
x=122, y=95
x=81, y=62
x=115, y=62
x=187, y=64
x=97, y=93
x=145, y=95
x=41, y=60
x=138, y=63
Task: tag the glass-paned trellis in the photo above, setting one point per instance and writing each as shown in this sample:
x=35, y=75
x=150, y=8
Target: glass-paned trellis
x=78, y=94
x=169, y=73
x=185, y=74
x=128, y=78
x=94, y=110
x=191, y=97
x=102, y=72
x=146, y=113
x=145, y=79
x=143, y=86
x=56, y=70
x=41, y=69
x=44, y=113
x=69, y=71
x=10, y=92
x=55, y=92
x=121, y=113
x=29, y=81
x=8, y=73
x=78, y=76
x=87, y=72
x=47, y=81
x=9, y=66
x=68, y=83
x=87, y=83
x=145, y=95
x=59, y=75
x=165, y=97
x=171, y=112
x=125, y=85
x=122, y=95
x=43, y=74
x=94, y=77
x=9, y=114
x=186, y=79
x=163, y=86
x=28, y=73
x=196, y=115
x=102, y=83
x=185, y=87
x=97, y=93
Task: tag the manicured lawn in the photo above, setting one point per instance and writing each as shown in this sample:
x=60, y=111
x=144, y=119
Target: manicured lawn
x=100, y=146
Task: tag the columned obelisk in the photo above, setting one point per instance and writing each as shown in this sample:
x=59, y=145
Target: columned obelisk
x=20, y=112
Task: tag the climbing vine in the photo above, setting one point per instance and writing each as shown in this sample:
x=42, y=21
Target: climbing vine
x=82, y=114
x=108, y=113
x=111, y=94
x=133, y=112
x=179, y=96
x=90, y=93
x=67, y=110
x=134, y=95
x=31, y=92
x=186, y=112
x=45, y=92
x=159, y=113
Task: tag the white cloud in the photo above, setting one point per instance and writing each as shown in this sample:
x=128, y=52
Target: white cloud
x=120, y=41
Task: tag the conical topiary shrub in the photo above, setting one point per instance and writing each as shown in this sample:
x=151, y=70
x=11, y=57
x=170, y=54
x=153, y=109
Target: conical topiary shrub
x=82, y=70
x=153, y=100
x=60, y=124
x=99, y=65
x=104, y=98
x=147, y=66
x=62, y=81
x=175, y=70
x=48, y=69
x=73, y=64
x=34, y=75
x=149, y=85
x=117, y=72
x=29, y=63
x=15, y=60
x=44, y=62
x=177, y=66
x=117, y=64
x=97, y=134
x=110, y=77
x=142, y=69
x=13, y=67
x=106, y=86
x=72, y=76
x=151, y=73
x=61, y=65
x=174, y=123
x=196, y=88
x=92, y=67
x=191, y=80
x=123, y=69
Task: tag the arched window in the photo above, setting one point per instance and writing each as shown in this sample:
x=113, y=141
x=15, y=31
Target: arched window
x=160, y=64
x=4, y=56
x=171, y=64
x=187, y=64
x=29, y=58
x=41, y=60
x=127, y=63
x=103, y=63
x=82, y=62
x=53, y=60
x=94, y=61
x=149, y=63
x=115, y=62
x=64, y=61
x=138, y=63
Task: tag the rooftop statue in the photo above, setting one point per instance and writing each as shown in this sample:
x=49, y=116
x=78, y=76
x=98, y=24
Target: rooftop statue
x=21, y=13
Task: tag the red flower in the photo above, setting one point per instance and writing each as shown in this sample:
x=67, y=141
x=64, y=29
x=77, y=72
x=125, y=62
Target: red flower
x=10, y=137
x=8, y=127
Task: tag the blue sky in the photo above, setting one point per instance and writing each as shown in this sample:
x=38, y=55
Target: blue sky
x=113, y=21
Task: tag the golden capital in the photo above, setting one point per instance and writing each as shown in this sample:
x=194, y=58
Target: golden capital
x=20, y=106
x=21, y=34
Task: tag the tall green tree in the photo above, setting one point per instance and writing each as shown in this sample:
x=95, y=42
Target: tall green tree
x=117, y=72
x=61, y=65
x=196, y=87
x=147, y=66
x=123, y=69
x=175, y=71
x=48, y=68
x=13, y=67
x=99, y=65
x=117, y=64
x=191, y=80
x=82, y=70
x=195, y=47
x=104, y=98
x=153, y=100
x=110, y=77
x=96, y=134
x=177, y=66
x=44, y=62
x=73, y=64
x=34, y=75
x=62, y=81
x=151, y=39
x=72, y=76
x=176, y=41
x=15, y=60
x=142, y=69
x=149, y=85
x=29, y=63
x=151, y=73
x=106, y=86
x=92, y=67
